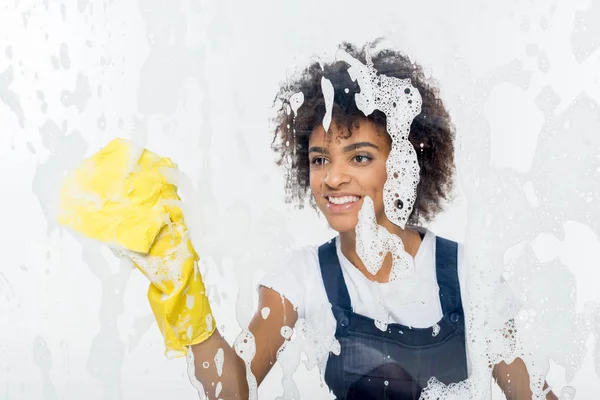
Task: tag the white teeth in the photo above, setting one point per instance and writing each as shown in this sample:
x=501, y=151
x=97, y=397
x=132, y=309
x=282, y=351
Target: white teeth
x=343, y=200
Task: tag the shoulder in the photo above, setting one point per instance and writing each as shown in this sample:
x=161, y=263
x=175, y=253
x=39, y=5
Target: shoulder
x=295, y=275
x=299, y=260
x=304, y=260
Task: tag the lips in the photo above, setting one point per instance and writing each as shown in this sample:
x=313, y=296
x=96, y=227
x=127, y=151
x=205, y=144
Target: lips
x=343, y=202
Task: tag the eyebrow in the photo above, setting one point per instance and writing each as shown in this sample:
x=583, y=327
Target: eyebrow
x=350, y=147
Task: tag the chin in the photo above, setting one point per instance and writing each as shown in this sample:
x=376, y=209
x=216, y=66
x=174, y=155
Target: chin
x=347, y=223
x=341, y=225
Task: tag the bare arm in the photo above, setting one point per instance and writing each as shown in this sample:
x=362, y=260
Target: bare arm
x=268, y=339
x=513, y=379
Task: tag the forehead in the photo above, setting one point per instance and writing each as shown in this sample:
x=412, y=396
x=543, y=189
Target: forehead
x=337, y=136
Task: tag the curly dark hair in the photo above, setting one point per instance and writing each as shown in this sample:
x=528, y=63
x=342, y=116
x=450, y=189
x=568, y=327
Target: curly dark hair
x=432, y=127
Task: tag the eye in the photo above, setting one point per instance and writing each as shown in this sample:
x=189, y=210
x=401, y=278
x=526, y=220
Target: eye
x=317, y=161
x=362, y=158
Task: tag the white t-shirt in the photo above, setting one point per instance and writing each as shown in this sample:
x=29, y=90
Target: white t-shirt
x=300, y=281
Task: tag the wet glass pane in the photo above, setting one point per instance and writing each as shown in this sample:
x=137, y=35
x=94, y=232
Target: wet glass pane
x=300, y=200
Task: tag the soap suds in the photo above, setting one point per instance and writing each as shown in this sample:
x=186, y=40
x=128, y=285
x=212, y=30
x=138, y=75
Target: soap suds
x=328, y=94
x=245, y=348
x=264, y=312
x=219, y=360
x=310, y=340
x=191, y=371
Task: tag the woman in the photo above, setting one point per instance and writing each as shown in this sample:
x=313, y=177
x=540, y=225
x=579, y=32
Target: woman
x=337, y=169
x=384, y=331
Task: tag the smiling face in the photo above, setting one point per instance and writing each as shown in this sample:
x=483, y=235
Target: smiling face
x=345, y=170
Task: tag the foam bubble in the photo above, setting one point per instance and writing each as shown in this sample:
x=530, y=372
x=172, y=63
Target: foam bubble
x=264, y=312
x=373, y=242
x=156, y=268
x=209, y=322
x=436, y=390
x=286, y=332
x=219, y=360
x=567, y=393
x=296, y=101
x=328, y=94
x=191, y=371
x=189, y=301
x=308, y=339
x=218, y=389
x=245, y=348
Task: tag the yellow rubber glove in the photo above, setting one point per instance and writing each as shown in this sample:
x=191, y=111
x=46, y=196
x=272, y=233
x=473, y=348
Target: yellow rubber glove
x=127, y=202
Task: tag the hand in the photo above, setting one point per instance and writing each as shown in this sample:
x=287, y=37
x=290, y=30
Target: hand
x=121, y=197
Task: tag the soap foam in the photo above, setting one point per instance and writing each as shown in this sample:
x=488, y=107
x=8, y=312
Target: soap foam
x=310, y=340
x=328, y=94
x=373, y=242
x=191, y=371
x=245, y=348
x=219, y=359
x=401, y=103
x=296, y=101
x=155, y=268
x=264, y=312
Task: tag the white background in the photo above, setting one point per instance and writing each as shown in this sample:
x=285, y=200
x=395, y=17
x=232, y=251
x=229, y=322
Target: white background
x=194, y=80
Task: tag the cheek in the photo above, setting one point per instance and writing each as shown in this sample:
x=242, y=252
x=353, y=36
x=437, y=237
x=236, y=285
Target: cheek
x=314, y=180
x=377, y=180
x=377, y=183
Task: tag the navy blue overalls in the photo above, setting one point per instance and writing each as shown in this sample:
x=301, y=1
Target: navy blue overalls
x=398, y=362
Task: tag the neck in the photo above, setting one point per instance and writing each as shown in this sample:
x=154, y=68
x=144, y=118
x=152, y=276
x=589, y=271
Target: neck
x=409, y=237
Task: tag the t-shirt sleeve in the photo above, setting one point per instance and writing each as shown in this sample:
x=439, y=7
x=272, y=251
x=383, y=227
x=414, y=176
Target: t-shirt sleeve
x=290, y=279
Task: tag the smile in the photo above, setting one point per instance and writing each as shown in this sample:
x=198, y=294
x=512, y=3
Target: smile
x=342, y=203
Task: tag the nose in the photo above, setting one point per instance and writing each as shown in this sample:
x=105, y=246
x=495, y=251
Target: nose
x=336, y=175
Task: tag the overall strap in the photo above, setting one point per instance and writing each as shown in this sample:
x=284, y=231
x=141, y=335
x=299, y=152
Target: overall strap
x=446, y=266
x=331, y=271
